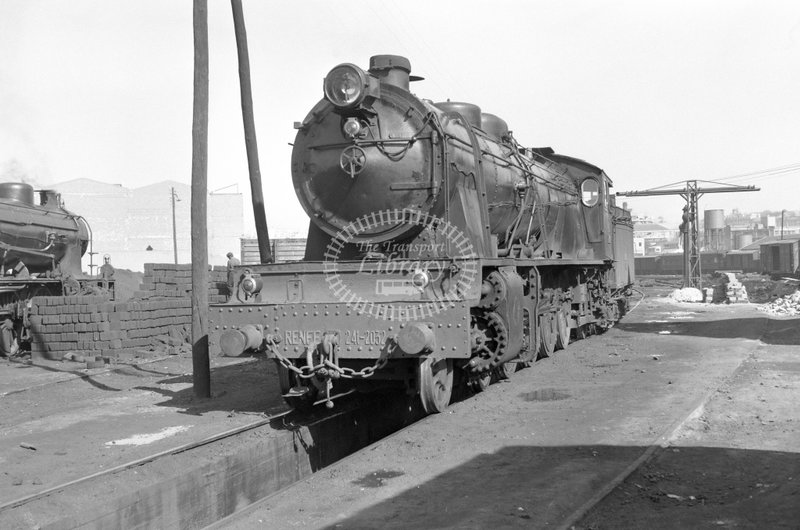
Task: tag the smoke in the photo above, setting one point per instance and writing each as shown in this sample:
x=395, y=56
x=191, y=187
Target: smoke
x=13, y=170
x=21, y=128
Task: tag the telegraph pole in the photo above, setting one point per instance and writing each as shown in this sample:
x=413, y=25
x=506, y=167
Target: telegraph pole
x=691, y=192
x=201, y=374
x=250, y=132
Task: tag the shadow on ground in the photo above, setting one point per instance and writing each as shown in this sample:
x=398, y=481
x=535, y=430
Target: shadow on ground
x=767, y=330
x=540, y=487
x=78, y=373
x=253, y=387
x=250, y=387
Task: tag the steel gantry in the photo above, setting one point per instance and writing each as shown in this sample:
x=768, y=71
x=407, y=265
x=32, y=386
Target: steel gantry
x=691, y=192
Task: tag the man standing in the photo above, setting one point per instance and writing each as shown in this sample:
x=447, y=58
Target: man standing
x=8, y=339
x=106, y=271
x=232, y=262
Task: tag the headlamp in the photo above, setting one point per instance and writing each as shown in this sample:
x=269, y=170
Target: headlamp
x=352, y=127
x=420, y=279
x=346, y=85
x=251, y=284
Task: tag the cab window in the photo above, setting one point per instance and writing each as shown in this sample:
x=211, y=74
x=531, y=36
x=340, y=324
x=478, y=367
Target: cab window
x=590, y=192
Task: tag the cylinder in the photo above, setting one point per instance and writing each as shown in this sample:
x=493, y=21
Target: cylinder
x=743, y=240
x=714, y=219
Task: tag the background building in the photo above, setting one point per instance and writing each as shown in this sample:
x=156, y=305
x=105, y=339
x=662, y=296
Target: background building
x=652, y=238
x=134, y=226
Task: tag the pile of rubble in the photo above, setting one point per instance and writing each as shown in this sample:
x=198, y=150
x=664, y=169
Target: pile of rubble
x=687, y=294
x=789, y=305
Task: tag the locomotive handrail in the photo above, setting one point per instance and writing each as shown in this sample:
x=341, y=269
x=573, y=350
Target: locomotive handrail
x=21, y=223
x=36, y=252
x=338, y=145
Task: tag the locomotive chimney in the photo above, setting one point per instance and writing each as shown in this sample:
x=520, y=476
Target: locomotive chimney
x=392, y=70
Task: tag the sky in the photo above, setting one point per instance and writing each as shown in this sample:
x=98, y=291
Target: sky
x=653, y=92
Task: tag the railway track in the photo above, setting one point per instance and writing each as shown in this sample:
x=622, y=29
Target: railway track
x=138, y=462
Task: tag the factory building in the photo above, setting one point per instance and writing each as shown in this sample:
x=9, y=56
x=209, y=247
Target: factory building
x=135, y=225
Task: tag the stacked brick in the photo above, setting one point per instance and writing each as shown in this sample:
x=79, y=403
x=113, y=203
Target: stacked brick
x=735, y=291
x=727, y=289
x=158, y=318
x=168, y=280
x=93, y=325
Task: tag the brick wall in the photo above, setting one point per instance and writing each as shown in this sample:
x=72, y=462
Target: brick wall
x=157, y=318
x=175, y=281
x=94, y=325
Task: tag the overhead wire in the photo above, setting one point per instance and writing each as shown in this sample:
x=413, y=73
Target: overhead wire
x=749, y=177
x=764, y=173
x=421, y=44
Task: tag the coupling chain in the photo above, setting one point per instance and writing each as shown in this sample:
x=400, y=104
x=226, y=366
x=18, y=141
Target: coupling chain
x=327, y=368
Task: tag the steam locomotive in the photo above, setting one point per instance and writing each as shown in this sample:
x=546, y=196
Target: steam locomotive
x=439, y=249
x=42, y=245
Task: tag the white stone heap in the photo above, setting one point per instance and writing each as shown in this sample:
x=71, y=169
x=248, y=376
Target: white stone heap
x=789, y=305
x=687, y=294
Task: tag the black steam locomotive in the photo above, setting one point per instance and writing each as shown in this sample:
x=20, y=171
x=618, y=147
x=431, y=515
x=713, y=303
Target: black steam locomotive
x=42, y=245
x=438, y=247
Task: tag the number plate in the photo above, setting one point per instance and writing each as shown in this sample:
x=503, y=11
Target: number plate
x=347, y=337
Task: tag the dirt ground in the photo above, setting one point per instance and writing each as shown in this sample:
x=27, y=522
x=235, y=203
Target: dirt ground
x=539, y=451
x=533, y=452
x=60, y=421
x=734, y=464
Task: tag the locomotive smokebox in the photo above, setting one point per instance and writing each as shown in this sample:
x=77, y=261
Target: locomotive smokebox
x=368, y=148
x=41, y=236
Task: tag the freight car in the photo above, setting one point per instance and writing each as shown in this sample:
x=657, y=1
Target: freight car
x=438, y=249
x=42, y=245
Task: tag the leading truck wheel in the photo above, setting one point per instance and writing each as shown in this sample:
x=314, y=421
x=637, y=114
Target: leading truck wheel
x=435, y=380
x=549, y=334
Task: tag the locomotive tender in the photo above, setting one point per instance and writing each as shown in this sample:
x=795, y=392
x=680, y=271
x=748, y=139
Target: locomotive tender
x=437, y=247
